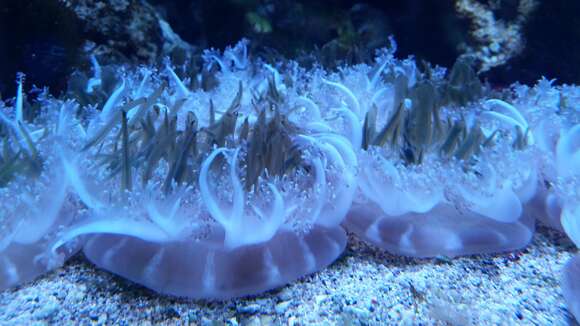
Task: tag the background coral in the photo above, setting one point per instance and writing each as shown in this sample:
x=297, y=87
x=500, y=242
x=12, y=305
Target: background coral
x=497, y=39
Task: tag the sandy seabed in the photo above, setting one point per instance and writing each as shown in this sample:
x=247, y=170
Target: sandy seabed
x=364, y=287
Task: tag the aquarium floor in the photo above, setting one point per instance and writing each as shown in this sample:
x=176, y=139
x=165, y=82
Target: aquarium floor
x=364, y=287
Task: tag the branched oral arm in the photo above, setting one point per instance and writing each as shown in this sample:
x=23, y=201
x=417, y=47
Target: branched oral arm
x=312, y=109
x=320, y=174
x=207, y=194
x=271, y=222
x=353, y=103
x=568, y=152
x=43, y=218
x=73, y=176
x=353, y=124
x=108, y=110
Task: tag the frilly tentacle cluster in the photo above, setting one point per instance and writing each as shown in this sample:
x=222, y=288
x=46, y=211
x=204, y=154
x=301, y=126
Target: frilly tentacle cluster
x=554, y=116
x=35, y=201
x=241, y=175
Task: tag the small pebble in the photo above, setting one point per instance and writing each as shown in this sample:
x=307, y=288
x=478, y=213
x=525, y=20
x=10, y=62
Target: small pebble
x=282, y=307
x=49, y=307
x=358, y=312
x=249, y=309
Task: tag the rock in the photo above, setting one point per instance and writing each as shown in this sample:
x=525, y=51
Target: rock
x=282, y=307
x=285, y=294
x=131, y=27
x=102, y=319
x=319, y=299
x=48, y=308
x=359, y=313
x=293, y=321
x=250, y=309
x=252, y=321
